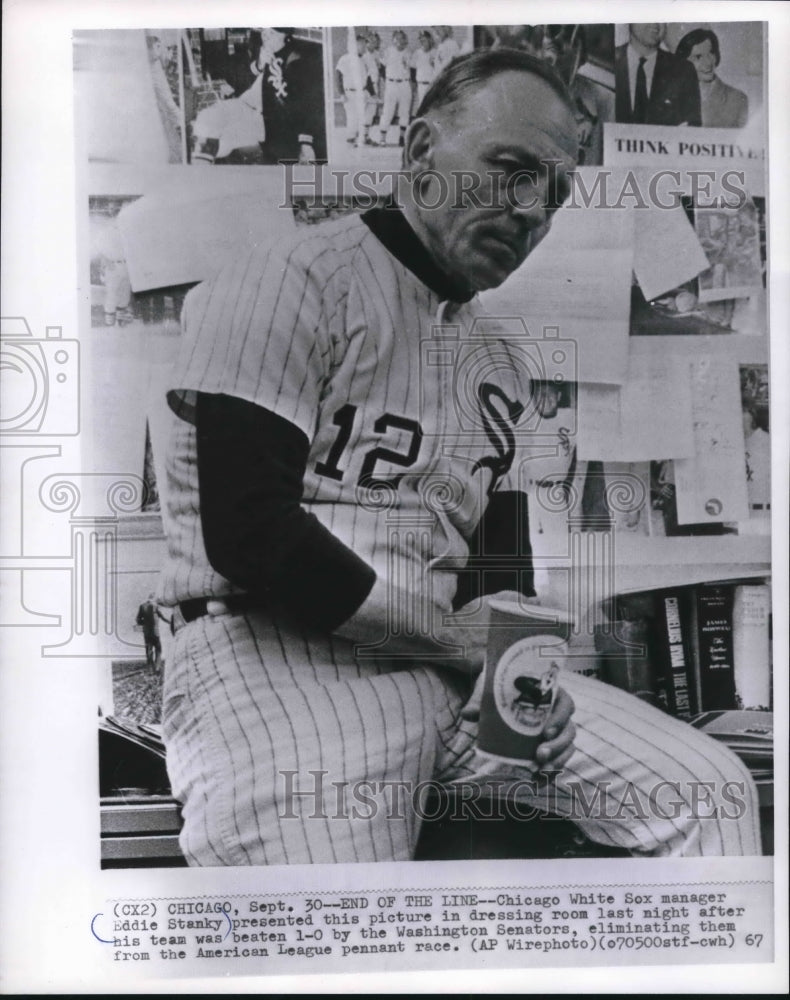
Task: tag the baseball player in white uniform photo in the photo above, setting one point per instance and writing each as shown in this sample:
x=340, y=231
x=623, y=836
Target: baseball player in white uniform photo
x=371, y=62
x=397, y=86
x=323, y=491
x=423, y=62
x=351, y=78
x=447, y=49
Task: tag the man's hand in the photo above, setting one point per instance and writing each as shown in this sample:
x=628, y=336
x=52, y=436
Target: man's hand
x=556, y=747
x=306, y=153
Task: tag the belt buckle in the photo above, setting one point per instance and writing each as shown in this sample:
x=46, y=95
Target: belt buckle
x=177, y=621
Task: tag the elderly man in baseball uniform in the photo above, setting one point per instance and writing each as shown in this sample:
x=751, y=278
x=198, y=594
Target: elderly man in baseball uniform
x=323, y=494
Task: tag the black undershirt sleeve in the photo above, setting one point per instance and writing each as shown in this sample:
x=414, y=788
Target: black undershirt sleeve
x=251, y=466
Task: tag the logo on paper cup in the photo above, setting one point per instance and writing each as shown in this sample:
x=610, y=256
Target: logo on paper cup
x=525, y=683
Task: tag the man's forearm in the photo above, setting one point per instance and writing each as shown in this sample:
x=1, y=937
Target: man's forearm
x=251, y=464
x=402, y=623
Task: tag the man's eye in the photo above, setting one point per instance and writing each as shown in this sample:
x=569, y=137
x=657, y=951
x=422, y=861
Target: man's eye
x=506, y=166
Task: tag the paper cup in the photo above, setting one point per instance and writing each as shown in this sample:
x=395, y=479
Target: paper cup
x=526, y=648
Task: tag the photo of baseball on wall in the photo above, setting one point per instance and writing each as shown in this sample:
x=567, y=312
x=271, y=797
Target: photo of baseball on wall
x=378, y=77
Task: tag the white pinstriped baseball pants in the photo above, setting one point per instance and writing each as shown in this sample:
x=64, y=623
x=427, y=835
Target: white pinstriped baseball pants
x=287, y=750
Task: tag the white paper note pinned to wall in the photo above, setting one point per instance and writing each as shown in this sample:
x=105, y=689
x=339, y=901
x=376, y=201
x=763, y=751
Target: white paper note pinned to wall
x=185, y=230
x=578, y=279
x=667, y=250
x=711, y=486
x=648, y=417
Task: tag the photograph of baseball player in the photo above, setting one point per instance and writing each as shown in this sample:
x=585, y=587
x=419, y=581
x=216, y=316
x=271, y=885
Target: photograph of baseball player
x=324, y=491
x=583, y=55
x=379, y=76
x=255, y=96
x=725, y=90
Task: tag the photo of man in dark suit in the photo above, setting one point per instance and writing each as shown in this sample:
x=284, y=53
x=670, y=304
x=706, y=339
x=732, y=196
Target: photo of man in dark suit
x=653, y=86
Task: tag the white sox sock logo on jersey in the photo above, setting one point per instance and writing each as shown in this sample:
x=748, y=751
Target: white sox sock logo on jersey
x=498, y=430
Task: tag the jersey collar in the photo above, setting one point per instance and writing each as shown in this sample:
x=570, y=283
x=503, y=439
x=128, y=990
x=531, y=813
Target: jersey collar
x=388, y=224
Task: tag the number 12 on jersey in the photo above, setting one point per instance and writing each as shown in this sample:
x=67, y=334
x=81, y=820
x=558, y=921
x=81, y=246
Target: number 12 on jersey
x=343, y=419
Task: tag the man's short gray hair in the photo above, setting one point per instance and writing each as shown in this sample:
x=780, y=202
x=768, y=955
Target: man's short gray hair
x=469, y=72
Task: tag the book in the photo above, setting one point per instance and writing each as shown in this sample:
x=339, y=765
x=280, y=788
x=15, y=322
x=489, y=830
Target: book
x=626, y=648
x=711, y=614
x=673, y=654
x=751, y=646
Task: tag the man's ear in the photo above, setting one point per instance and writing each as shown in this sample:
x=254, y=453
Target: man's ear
x=418, y=146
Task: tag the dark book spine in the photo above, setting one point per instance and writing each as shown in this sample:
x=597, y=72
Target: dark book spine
x=715, y=646
x=674, y=658
x=625, y=649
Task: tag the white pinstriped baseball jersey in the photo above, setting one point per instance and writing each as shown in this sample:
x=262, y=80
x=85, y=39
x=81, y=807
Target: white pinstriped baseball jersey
x=329, y=331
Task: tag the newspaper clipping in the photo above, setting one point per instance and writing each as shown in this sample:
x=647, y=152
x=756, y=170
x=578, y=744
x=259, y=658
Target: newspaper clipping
x=388, y=587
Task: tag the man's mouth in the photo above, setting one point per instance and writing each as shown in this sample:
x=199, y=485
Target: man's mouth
x=510, y=251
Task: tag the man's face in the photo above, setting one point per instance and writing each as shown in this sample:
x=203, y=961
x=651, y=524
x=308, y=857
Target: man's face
x=505, y=137
x=649, y=35
x=400, y=42
x=360, y=46
x=703, y=60
x=274, y=40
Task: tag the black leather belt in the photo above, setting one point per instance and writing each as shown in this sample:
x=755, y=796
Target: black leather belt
x=231, y=604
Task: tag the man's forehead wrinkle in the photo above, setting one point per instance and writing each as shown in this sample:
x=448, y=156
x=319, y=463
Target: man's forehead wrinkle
x=464, y=118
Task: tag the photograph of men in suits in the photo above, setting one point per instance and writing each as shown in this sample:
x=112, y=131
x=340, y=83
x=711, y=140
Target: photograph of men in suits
x=653, y=86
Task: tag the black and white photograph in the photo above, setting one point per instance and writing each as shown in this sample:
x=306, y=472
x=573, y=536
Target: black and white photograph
x=129, y=97
x=697, y=75
x=755, y=390
x=309, y=409
x=378, y=78
x=724, y=254
x=583, y=55
x=393, y=562
x=254, y=96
